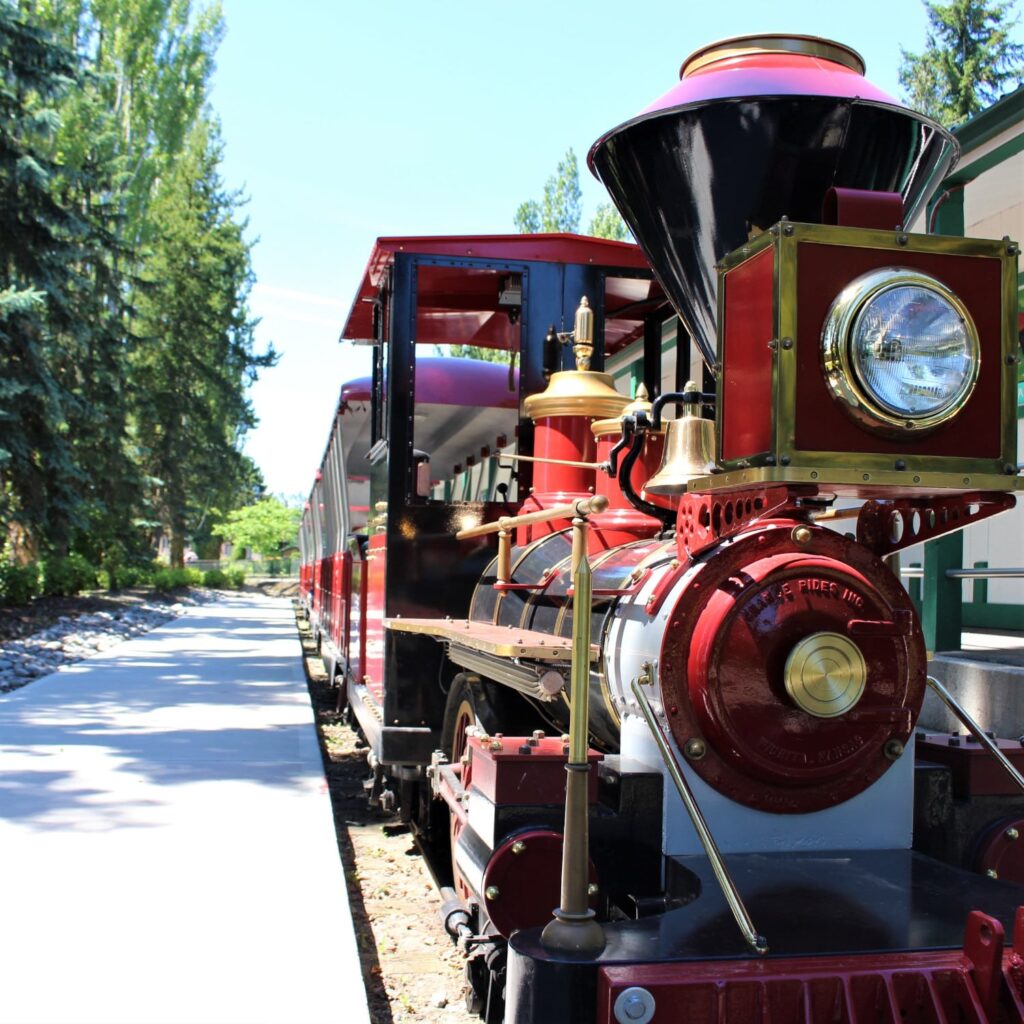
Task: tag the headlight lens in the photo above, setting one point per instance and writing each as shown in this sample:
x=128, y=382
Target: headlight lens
x=900, y=350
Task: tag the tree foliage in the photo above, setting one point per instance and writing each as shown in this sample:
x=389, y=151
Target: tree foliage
x=968, y=62
x=198, y=356
x=124, y=274
x=560, y=208
x=265, y=526
x=607, y=223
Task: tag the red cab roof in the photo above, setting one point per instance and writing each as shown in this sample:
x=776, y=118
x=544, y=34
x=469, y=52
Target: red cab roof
x=544, y=248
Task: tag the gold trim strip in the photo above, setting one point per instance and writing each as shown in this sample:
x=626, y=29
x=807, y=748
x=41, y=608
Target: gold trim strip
x=743, y=46
x=830, y=478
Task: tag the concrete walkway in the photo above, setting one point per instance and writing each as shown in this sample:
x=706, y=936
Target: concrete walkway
x=167, y=853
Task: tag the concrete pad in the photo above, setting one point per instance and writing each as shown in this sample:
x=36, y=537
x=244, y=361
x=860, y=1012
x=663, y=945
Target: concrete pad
x=167, y=850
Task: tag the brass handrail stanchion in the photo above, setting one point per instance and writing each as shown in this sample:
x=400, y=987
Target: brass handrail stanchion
x=574, y=928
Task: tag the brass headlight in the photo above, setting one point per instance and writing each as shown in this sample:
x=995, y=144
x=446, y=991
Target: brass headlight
x=900, y=351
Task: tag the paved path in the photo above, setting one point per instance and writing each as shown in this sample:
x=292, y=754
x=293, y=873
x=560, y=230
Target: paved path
x=167, y=852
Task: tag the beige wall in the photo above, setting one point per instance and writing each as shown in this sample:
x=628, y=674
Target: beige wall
x=994, y=202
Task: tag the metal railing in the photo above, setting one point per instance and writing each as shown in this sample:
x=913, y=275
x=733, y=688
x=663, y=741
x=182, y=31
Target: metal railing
x=916, y=572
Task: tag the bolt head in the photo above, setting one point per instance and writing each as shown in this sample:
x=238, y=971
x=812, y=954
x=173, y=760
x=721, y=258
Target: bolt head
x=518, y=846
x=695, y=749
x=893, y=749
x=801, y=535
x=492, y=892
x=992, y=873
x=593, y=889
x=634, y=1006
x=1012, y=833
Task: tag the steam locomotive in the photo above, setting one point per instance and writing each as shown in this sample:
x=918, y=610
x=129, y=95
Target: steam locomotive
x=514, y=569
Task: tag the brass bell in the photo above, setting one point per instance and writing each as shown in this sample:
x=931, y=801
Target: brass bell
x=689, y=450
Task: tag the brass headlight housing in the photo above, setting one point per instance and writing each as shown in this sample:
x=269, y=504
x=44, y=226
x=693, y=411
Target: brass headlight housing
x=900, y=351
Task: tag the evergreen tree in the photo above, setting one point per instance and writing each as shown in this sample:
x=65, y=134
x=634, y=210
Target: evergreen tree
x=124, y=273
x=42, y=244
x=196, y=357
x=969, y=60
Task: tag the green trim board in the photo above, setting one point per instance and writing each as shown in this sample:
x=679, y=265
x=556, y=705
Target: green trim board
x=1003, y=114
x=972, y=169
x=978, y=615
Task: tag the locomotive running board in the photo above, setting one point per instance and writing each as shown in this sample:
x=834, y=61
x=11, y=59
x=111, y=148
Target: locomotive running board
x=501, y=641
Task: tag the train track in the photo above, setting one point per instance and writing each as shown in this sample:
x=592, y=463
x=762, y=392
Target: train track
x=411, y=970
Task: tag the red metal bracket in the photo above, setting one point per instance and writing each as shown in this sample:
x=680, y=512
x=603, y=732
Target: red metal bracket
x=542, y=584
x=664, y=585
x=889, y=526
x=634, y=586
x=983, y=946
x=705, y=519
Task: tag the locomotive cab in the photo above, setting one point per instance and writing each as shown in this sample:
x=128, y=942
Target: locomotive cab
x=445, y=442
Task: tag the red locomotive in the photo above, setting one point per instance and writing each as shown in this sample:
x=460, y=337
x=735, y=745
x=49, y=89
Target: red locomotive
x=663, y=715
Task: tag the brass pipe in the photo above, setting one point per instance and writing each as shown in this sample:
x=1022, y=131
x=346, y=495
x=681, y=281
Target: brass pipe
x=583, y=507
x=732, y=896
x=976, y=730
x=835, y=513
x=573, y=928
x=552, y=462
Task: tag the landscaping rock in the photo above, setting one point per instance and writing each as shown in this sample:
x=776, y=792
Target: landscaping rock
x=70, y=638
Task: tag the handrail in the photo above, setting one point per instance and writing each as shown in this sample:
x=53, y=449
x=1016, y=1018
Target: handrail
x=976, y=730
x=575, y=510
x=549, y=462
x=732, y=895
x=917, y=572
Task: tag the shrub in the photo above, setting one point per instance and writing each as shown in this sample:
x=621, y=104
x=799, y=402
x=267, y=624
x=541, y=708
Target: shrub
x=163, y=579
x=215, y=578
x=18, y=583
x=173, y=579
x=236, y=578
x=63, y=577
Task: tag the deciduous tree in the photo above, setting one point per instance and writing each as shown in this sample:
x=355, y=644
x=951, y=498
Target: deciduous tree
x=263, y=526
x=196, y=356
x=560, y=208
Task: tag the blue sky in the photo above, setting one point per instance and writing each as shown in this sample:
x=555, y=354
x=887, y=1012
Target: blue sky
x=344, y=121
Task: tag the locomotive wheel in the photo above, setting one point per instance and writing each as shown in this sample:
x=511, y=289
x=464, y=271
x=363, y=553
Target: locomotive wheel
x=475, y=701
x=467, y=705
